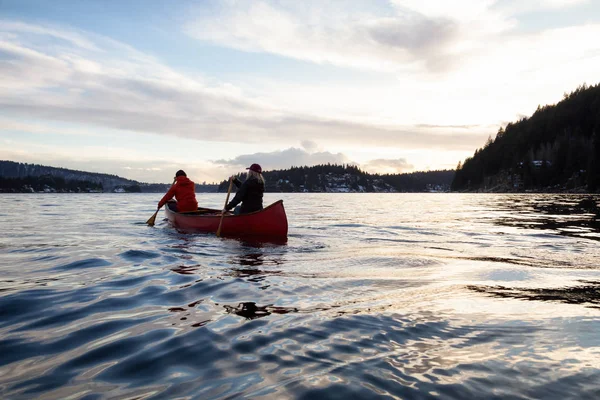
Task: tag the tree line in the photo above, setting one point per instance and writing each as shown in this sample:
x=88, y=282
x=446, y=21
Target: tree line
x=556, y=149
x=18, y=177
x=324, y=177
x=47, y=183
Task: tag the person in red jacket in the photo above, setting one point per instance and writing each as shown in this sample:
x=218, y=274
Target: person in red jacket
x=184, y=191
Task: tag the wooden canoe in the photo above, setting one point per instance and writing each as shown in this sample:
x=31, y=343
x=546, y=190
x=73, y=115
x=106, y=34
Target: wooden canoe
x=271, y=221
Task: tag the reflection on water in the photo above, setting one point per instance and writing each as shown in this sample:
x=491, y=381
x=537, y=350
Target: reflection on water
x=250, y=310
x=588, y=294
x=250, y=259
x=372, y=295
x=566, y=215
x=186, y=269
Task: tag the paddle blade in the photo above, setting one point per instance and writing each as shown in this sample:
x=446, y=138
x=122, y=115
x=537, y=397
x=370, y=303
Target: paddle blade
x=152, y=219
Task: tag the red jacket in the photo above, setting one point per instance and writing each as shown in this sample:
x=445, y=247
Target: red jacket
x=185, y=194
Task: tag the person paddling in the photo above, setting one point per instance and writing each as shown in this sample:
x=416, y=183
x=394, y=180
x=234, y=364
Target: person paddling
x=184, y=191
x=250, y=193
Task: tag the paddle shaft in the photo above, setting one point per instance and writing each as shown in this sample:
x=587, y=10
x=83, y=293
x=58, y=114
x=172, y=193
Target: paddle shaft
x=226, y=201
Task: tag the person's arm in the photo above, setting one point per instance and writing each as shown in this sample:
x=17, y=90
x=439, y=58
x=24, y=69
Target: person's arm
x=239, y=196
x=236, y=182
x=167, y=196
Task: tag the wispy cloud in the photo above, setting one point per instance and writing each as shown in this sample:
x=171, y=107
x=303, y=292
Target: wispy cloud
x=74, y=38
x=413, y=37
x=523, y=6
x=103, y=83
x=464, y=62
x=282, y=159
x=442, y=76
x=309, y=146
x=324, y=32
x=388, y=166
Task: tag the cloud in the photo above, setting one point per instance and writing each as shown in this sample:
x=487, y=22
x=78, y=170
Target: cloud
x=72, y=37
x=309, y=146
x=469, y=10
x=415, y=33
x=121, y=88
x=94, y=81
x=523, y=6
x=412, y=37
x=388, y=166
x=10, y=125
x=322, y=32
x=282, y=159
x=465, y=62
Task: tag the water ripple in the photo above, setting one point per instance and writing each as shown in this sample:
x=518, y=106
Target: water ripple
x=450, y=296
x=87, y=263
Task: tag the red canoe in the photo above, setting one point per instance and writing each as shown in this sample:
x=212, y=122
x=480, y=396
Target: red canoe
x=271, y=221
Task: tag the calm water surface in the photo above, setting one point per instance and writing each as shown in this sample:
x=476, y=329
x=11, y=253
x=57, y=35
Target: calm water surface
x=373, y=295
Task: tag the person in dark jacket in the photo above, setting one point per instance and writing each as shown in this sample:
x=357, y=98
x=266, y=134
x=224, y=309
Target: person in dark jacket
x=184, y=191
x=249, y=193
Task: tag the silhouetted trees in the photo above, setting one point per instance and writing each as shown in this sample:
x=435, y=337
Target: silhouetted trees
x=334, y=177
x=555, y=149
x=23, y=177
x=46, y=183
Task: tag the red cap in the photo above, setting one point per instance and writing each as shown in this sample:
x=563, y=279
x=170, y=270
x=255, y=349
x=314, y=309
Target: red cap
x=255, y=168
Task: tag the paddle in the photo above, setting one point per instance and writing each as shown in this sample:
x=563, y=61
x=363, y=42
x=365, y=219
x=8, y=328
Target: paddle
x=152, y=219
x=226, y=201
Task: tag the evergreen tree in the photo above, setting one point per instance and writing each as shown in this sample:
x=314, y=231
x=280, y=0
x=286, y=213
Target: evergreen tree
x=556, y=145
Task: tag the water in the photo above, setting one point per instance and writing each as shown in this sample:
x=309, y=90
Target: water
x=373, y=295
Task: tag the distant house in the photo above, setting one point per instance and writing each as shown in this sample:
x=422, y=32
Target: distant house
x=537, y=163
x=540, y=163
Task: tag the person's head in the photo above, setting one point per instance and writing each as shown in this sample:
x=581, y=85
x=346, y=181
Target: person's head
x=255, y=168
x=180, y=173
x=255, y=171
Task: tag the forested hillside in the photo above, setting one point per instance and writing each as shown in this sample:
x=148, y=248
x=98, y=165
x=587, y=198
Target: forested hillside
x=556, y=149
x=15, y=176
x=333, y=178
x=20, y=177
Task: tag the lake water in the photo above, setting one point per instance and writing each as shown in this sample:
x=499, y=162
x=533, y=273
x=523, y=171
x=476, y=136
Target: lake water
x=373, y=295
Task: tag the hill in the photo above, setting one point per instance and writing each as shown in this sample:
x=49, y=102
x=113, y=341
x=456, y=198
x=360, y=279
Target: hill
x=557, y=149
x=332, y=178
x=20, y=177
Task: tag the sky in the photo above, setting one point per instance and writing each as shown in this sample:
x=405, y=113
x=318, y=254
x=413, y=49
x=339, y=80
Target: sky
x=142, y=88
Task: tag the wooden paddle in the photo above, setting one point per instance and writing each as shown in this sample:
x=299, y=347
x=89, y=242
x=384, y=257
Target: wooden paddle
x=226, y=201
x=152, y=219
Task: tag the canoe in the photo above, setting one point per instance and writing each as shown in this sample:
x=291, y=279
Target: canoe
x=271, y=221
